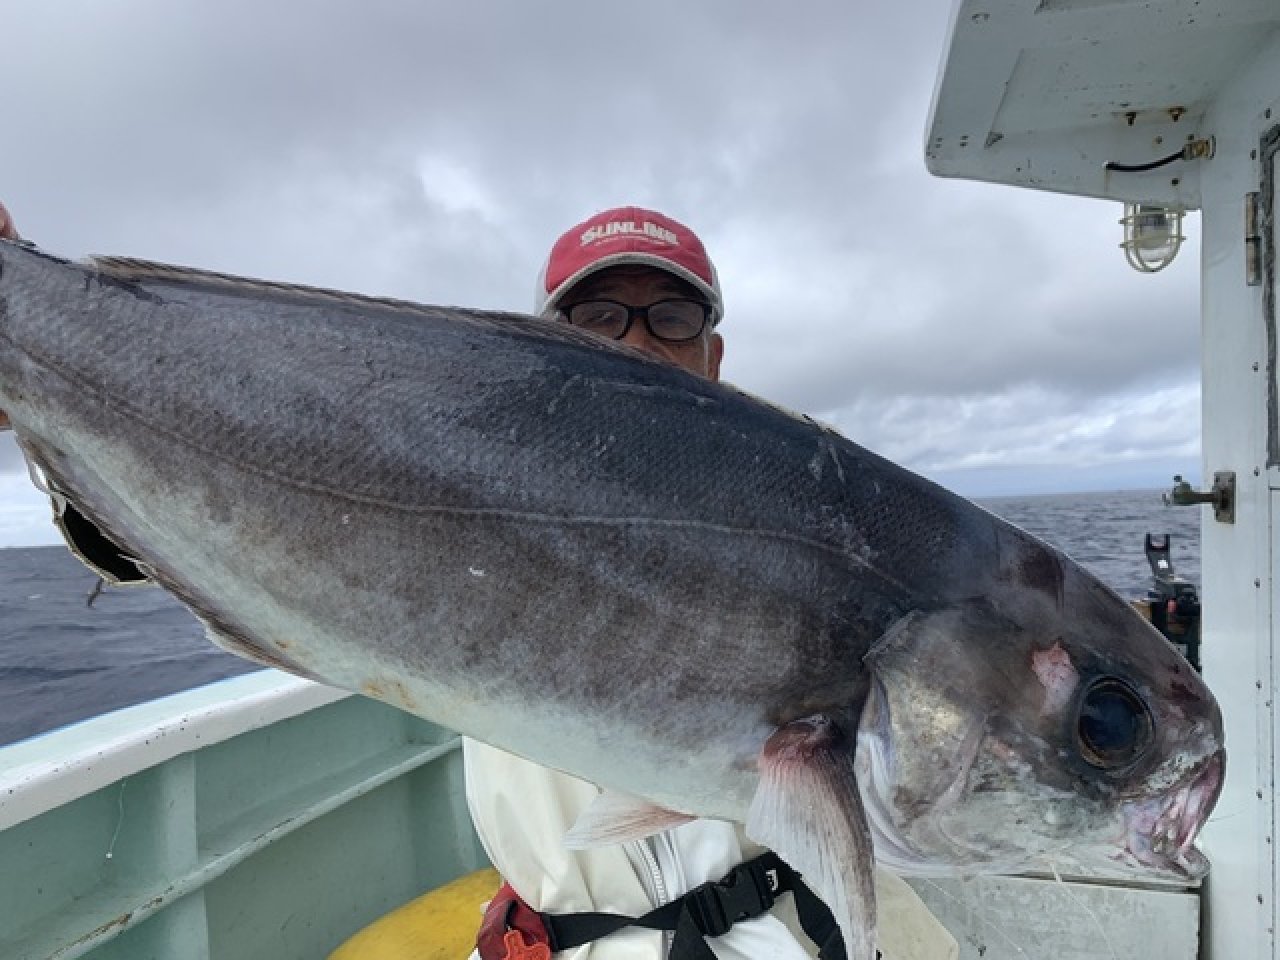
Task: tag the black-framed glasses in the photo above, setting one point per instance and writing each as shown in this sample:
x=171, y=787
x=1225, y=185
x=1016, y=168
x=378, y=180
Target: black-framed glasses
x=673, y=321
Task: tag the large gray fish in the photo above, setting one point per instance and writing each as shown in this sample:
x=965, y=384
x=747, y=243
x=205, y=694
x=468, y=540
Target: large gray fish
x=708, y=605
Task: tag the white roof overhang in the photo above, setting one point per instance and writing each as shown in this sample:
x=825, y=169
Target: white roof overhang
x=1046, y=93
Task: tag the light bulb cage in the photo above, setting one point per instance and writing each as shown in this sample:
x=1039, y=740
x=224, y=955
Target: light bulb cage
x=1152, y=236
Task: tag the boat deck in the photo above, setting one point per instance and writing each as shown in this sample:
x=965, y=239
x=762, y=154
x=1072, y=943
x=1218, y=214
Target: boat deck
x=263, y=816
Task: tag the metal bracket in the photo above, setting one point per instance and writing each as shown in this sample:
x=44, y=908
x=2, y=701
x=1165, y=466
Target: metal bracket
x=1222, y=495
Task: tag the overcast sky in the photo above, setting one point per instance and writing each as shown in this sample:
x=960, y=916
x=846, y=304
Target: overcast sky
x=991, y=338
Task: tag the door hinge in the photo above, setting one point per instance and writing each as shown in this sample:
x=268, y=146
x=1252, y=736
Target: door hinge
x=1252, y=240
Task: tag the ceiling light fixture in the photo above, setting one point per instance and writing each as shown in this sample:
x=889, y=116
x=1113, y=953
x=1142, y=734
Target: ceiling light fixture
x=1152, y=236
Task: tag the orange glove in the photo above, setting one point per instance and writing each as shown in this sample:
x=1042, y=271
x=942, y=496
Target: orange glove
x=512, y=931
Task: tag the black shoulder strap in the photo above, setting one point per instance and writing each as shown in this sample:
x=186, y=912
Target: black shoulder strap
x=748, y=890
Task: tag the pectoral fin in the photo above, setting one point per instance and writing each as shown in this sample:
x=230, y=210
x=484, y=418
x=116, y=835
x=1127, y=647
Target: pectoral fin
x=615, y=817
x=808, y=810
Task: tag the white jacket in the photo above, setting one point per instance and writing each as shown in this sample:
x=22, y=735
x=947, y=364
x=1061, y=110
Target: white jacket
x=522, y=812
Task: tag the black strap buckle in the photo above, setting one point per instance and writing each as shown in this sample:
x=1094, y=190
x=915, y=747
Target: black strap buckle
x=717, y=906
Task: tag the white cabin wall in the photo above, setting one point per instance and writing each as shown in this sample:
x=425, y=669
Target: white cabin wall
x=1239, y=583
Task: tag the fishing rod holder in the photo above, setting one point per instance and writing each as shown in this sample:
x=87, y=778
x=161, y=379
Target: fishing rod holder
x=1222, y=496
x=1172, y=603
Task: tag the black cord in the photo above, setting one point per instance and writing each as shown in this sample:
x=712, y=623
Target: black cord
x=1140, y=167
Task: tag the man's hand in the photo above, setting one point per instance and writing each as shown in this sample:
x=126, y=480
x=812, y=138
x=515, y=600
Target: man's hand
x=9, y=232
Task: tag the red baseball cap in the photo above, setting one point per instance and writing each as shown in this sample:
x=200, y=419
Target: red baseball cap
x=627, y=235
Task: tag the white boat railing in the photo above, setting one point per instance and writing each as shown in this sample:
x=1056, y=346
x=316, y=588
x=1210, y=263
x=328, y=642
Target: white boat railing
x=263, y=816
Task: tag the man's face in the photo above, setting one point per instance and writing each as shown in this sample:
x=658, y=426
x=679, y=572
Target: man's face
x=640, y=286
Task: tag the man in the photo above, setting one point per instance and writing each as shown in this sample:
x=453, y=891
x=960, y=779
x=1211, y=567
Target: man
x=643, y=279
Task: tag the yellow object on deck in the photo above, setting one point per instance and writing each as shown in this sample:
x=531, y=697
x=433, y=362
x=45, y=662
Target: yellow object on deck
x=440, y=925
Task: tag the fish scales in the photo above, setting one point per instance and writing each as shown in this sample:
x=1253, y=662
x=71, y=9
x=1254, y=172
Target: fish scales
x=449, y=414
x=612, y=567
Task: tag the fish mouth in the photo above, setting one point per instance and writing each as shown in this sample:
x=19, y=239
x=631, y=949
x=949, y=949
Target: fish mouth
x=1160, y=834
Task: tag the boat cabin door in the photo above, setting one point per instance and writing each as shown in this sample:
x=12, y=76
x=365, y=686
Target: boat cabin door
x=1240, y=356
x=1260, y=244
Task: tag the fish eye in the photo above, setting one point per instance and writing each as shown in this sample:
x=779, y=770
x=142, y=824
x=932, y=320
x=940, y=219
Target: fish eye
x=1114, y=725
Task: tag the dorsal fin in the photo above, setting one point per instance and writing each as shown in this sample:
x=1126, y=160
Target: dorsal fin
x=133, y=270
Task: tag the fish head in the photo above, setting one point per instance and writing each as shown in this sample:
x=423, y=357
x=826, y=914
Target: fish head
x=1025, y=728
